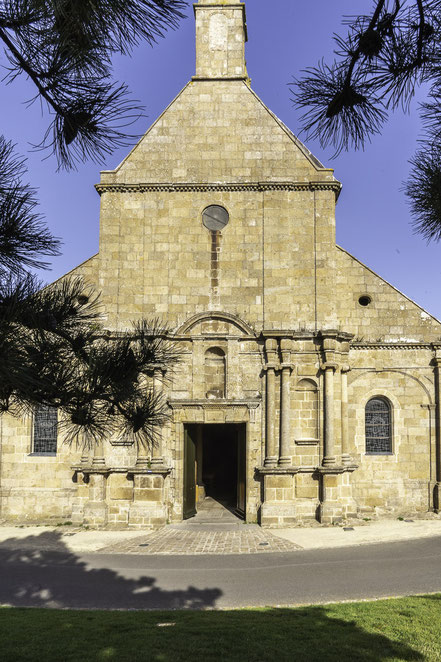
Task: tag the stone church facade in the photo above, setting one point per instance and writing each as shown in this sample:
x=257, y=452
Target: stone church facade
x=309, y=388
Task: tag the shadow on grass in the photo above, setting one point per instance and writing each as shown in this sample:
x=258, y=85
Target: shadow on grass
x=306, y=634
x=39, y=571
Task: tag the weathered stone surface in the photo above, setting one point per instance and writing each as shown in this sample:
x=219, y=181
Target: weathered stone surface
x=270, y=289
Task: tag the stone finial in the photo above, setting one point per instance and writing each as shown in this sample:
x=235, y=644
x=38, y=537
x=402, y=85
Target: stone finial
x=221, y=34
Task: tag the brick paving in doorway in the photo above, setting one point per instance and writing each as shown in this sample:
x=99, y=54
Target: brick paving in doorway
x=214, y=530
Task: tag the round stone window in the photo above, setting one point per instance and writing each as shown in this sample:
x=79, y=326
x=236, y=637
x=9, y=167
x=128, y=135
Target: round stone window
x=364, y=300
x=215, y=217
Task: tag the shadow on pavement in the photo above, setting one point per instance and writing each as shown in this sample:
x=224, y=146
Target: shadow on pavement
x=40, y=571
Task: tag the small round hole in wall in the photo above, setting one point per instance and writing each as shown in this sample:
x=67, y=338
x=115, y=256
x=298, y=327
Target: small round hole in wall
x=364, y=300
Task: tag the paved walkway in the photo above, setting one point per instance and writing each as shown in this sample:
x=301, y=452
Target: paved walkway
x=215, y=530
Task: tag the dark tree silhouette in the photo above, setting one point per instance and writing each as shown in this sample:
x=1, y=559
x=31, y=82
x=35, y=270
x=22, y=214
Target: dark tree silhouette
x=54, y=350
x=380, y=62
x=65, y=48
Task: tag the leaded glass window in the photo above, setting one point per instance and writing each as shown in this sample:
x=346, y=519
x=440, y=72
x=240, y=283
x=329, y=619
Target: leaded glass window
x=45, y=430
x=378, y=427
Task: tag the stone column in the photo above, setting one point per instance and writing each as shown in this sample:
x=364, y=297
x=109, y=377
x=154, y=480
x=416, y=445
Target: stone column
x=157, y=459
x=85, y=454
x=285, y=404
x=98, y=455
x=95, y=509
x=272, y=454
x=329, y=449
x=437, y=491
x=345, y=455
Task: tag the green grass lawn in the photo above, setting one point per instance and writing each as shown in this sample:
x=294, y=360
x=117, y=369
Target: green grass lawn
x=398, y=629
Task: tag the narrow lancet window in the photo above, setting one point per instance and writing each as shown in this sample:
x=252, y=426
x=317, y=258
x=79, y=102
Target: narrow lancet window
x=45, y=430
x=378, y=427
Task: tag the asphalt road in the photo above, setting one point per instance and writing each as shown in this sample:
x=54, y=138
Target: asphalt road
x=58, y=579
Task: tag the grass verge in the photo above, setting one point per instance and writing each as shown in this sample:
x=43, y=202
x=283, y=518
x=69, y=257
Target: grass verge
x=396, y=629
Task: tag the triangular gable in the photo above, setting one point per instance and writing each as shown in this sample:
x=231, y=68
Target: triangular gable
x=218, y=131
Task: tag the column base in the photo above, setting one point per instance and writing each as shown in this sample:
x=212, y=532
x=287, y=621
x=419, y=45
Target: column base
x=330, y=512
x=336, y=499
x=329, y=460
x=148, y=510
x=284, y=461
x=278, y=509
x=278, y=516
x=98, y=463
x=271, y=461
x=142, y=462
x=95, y=513
x=143, y=515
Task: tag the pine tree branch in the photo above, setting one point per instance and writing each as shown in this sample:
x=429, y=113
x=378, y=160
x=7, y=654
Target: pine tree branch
x=357, y=53
x=420, y=32
x=29, y=71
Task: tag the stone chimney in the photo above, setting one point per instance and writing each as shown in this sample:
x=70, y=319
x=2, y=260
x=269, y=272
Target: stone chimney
x=221, y=33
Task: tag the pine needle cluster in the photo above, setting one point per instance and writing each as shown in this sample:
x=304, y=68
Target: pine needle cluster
x=380, y=63
x=65, y=48
x=54, y=349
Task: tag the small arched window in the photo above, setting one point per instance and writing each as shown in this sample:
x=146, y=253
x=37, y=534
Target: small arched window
x=378, y=426
x=45, y=430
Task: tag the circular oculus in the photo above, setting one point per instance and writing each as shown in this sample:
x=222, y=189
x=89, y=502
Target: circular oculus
x=215, y=217
x=364, y=300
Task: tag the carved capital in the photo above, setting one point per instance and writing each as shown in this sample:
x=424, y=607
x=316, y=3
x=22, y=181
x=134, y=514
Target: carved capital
x=329, y=366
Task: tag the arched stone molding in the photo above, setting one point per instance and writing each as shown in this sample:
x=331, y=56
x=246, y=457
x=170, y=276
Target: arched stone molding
x=188, y=327
x=307, y=384
x=357, y=375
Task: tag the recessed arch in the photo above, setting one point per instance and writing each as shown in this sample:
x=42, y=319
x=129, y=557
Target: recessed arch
x=307, y=384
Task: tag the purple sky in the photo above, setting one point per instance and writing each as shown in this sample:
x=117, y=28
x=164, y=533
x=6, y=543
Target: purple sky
x=284, y=37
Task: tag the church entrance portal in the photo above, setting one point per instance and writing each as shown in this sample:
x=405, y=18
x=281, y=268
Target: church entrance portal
x=214, y=466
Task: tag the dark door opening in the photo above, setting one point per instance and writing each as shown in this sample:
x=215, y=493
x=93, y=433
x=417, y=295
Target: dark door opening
x=214, y=466
x=219, y=463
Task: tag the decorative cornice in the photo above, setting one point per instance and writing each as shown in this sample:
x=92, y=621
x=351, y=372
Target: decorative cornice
x=277, y=471
x=214, y=404
x=149, y=471
x=121, y=187
x=203, y=79
x=386, y=345
x=337, y=469
x=307, y=442
x=89, y=470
